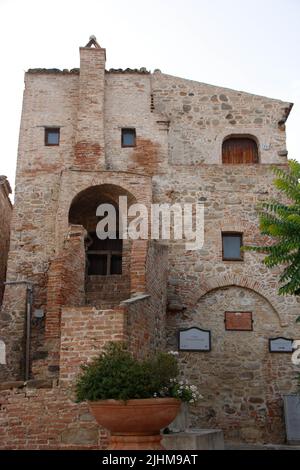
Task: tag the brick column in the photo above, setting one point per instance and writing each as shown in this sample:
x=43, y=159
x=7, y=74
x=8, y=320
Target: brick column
x=89, y=147
x=138, y=266
x=66, y=280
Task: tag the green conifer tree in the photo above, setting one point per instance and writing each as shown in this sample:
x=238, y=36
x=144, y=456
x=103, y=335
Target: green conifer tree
x=281, y=221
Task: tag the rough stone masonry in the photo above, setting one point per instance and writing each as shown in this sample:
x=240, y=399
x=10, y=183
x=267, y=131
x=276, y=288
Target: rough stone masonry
x=66, y=298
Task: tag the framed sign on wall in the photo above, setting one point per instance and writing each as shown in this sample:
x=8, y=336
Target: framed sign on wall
x=281, y=345
x=194, y=340
x=238, y=321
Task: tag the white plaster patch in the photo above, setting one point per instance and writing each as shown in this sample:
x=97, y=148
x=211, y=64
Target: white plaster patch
x=2, y=352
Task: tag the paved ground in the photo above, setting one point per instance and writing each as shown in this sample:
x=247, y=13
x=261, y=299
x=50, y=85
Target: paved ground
x=260, y=447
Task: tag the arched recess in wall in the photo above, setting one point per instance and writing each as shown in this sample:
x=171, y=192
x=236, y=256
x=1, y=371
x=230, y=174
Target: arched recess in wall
x=238, y=149
x=104, y=257
x=209, y=285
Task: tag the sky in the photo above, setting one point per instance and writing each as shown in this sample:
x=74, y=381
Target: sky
x=241, y=44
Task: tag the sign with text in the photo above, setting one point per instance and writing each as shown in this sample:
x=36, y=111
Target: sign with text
x=281, y=345
x=195, y=339
x=292, y=418
x=238, y=321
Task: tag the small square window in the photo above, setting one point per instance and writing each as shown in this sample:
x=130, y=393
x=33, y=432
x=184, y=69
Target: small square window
x=231, y=244
x=52, y=136
x=128, y=137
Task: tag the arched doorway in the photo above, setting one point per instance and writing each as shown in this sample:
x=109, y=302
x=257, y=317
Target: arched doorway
x=107, y=260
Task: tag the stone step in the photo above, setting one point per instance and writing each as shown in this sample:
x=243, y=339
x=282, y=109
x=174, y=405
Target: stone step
x=194, y=439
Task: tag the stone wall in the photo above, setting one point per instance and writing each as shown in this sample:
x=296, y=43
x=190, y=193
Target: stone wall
x=180, y=126
x=242, y=383
x=202, y=115
x=12, y=324
x=230, y=197
x=5, y=219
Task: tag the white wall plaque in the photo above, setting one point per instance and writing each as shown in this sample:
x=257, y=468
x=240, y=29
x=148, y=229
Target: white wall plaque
x=38, y=313
x=292, y=418
x=194, y=339
x=281, y=345
x=2, y=352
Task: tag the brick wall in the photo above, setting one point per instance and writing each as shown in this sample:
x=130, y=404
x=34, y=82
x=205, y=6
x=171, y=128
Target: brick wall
x=5, y=218
x=66, y=280
x=84, y=332
x=146, y=316
x=89, y=148
x=46, y=419
x=107, y=291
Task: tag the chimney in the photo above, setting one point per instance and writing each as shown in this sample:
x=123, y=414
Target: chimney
x=89, y=146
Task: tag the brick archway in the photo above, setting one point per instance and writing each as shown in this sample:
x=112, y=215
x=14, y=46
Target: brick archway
x=208, y=285
x=73, y=182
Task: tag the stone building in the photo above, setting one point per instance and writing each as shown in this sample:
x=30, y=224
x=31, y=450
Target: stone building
x=5, y=218
x=89, y=136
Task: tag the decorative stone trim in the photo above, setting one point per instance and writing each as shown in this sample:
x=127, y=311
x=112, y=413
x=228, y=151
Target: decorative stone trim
x=33, y=384
x=136, y=298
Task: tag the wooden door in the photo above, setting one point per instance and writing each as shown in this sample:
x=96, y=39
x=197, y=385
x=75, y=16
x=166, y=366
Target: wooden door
x=239, y=150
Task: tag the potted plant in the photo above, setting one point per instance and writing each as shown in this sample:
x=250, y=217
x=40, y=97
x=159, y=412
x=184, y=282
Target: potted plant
x=134, y=399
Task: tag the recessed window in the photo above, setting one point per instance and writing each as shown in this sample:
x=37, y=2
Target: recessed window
x=104, y=257
x=232, y=244
x=52, y=136
x=239, y=150
x=128, y=137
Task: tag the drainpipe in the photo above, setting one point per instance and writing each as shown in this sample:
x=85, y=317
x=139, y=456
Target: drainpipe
x=29, y=299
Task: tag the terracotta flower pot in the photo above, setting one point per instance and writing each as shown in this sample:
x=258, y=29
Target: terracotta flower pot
x=135, y=424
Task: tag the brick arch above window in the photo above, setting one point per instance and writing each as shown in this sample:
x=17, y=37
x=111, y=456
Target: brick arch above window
x=240, y=149
x=249, y=229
